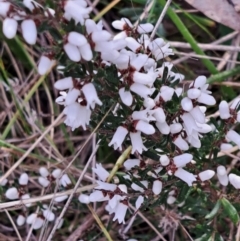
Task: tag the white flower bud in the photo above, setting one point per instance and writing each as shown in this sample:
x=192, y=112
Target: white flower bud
x=43, y=171
x=186, y=176
x=186, y=104
x=48, y=214
x=206, y=175
x=4, y=8
x=225, y=146
x=222, y=175
x=149, y=103
x=145, y=28
x=182, y=160
x=233, y=136
x=76, y=39
x=21, y=220
x=171, y=200
x=133, y=44
x=23, y=179
x=63, y=84
x=166, y=93
x=135, y=187
x=224, y=110
x=83, y=198
x=159, y=114
x=29, y=31
x=72, y=52
x=100, y=36
x=26, y=196
x=139, y=61
x=141, y=90
x=181, y=143
x=234, y=180
x=9, y=27
x=163, y=127
x=125, y=96
x=130, y=163
x=120, y=24
x=157, y=187
x=65, y=180
x=12, y=193
x=86, y=52
x=43, y=181
x=206, y=99
x=164, y=160
x=198, y=115
x=193, y=93
x=60, y=199
x=139, y=202
x=44, y=65
x=36, y=221
x=175, y=128
x=56, y=173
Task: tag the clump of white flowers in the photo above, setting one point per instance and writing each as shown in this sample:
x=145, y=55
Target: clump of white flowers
x=166, y=125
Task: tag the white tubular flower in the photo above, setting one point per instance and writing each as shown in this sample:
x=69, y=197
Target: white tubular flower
x=175, y=128
x=189, y=123
x=166, y=93
x=234, y=180
x=222, y=175
x=130, y=163
x=206, y=99
x=126, y=96
x=76, y=11
x=160, y=49
x=86, y=52
x=63, y=84
x=206, y=175
x=159, y=114
x=181, y=143
x=3, y=182
x=182, y=160
x=72, y=52
x=76, y=39
x=83, y=198
x=139, y=61
x=56, y=173
x=26, y=196
x=97, y=196
x=145, y=28
x=186, y=104
x=72, y=96
x=35, y=221
x=44, y=65
x=77, y=115
x=23, y=179
x=164, y=160
x=135, y=187
x=137, y=143
x=4, y=8
x=141, y=90
x=91, y=96
x=12, y=193
x=193, y=93
x=100, y=36
x=144, y=115
x=186, y=176
x=48, y=214
x=224, y=110
x=225, y=146
x=198, y=115
x=43, y=172
x=157, y=187
x=145, y=127
x=149, y=103
x=171, y=200
x=20, y=220
x=133, y=44
x=163, y=127
x=122, y=24
x=43, y=181
x=60, y=199
x=120, y=212
x=233, y=136
x=139, y=202
x=101, y=172
x=65, y=180
x=106, y=186
x=61, y=99
x=118, y=138
x=29, y=31
x=91, y=26
x=144, y=78
x=9, y=27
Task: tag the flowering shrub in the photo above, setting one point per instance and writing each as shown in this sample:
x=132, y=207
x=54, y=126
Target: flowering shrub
x=171, y=145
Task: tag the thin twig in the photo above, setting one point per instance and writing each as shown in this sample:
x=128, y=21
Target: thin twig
x=160, y=19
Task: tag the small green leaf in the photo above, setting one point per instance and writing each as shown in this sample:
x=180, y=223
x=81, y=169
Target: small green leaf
x=214, y=211
x=230, y=210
